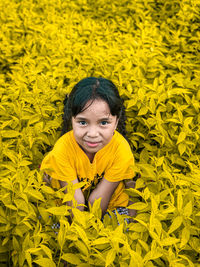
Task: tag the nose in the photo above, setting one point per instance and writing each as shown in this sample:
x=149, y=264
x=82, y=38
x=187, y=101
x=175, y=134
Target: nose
x=92, y=132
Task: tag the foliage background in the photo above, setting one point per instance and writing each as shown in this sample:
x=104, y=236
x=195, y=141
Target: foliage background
x=151, y=51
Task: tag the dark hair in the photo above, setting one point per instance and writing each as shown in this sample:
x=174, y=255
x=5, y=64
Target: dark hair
x=90, y=89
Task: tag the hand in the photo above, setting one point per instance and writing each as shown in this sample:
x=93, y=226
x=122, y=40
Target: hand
x=104, y=190
x=78, y=195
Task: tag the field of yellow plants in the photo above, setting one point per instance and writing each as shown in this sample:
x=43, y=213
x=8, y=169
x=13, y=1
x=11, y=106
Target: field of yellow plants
x=151, y=50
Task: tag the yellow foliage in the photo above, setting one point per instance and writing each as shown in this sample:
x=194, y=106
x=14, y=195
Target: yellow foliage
x=150, y=50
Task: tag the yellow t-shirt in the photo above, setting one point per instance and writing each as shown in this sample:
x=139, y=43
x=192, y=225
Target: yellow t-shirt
x=115, y=162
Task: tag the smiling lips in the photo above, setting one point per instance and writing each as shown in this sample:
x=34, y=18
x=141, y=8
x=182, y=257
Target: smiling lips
x=92, y=144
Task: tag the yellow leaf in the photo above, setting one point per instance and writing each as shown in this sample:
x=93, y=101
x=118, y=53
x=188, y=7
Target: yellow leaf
x=152, y=255
x=152, y=105
x=34, y=193
x=143, y=111
x=28, y=258
x=67, y=197
x=100, y=241
x=72, y=258
x=169, y=241
x=179, y=200
x=160, y=161
x=187, y=211
x=81, y=247
x=138, y=206
x=47, y=251
x=175, y=224
x=10, y=134
x=33, y=119
x=188, y=121
x=130, y=103
x=47, y=189
x=181, y=148
x=62, y=210
x=185, y=236
x=78, y=185
x=16, y=245
x=110, y=257
x=82, y=234
x=80, y=216
x=137, y=227
x=24, y=163
x=44, y=262
x=5, y=240
x=181, y=137
x=144, y=245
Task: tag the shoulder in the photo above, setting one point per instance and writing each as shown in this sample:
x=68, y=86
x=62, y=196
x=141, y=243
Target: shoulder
x=121, y=160
x=64, y=144
x=120, y=143
x=65, y=139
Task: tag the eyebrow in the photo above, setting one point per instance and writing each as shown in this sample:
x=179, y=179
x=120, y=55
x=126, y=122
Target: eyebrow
x=102, y=119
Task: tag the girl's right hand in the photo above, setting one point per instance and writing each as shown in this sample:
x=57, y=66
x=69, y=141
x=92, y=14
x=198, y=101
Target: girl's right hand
x=79, y=197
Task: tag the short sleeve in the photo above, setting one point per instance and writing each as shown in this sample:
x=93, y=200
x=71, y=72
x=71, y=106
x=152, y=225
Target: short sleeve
x=58, y=164
x=123, y=165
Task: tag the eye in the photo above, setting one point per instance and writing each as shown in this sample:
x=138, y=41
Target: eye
x=82, y=123
x=104, y=123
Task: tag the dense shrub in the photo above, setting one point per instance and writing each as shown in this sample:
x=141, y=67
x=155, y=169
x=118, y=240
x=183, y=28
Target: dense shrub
x=151, y=51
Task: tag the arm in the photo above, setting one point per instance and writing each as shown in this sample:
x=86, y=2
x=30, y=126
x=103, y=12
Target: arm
x=104, y=189
x=79, y=197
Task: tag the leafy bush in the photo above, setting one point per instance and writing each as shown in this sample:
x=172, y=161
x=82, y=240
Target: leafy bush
x=151, y=51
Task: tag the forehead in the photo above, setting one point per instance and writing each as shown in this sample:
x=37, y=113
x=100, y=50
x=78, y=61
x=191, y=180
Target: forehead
x=97, y=107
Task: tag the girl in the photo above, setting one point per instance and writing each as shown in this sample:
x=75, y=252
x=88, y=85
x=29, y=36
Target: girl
x=91, y=149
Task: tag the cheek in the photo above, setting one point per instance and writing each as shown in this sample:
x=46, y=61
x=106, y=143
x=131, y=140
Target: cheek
x=78, y=132
x=108, y=134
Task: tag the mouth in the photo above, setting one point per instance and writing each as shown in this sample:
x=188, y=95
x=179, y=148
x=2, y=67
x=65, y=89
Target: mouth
x=92, y=144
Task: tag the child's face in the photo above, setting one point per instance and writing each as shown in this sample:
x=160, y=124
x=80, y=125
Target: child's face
x=94, y=127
